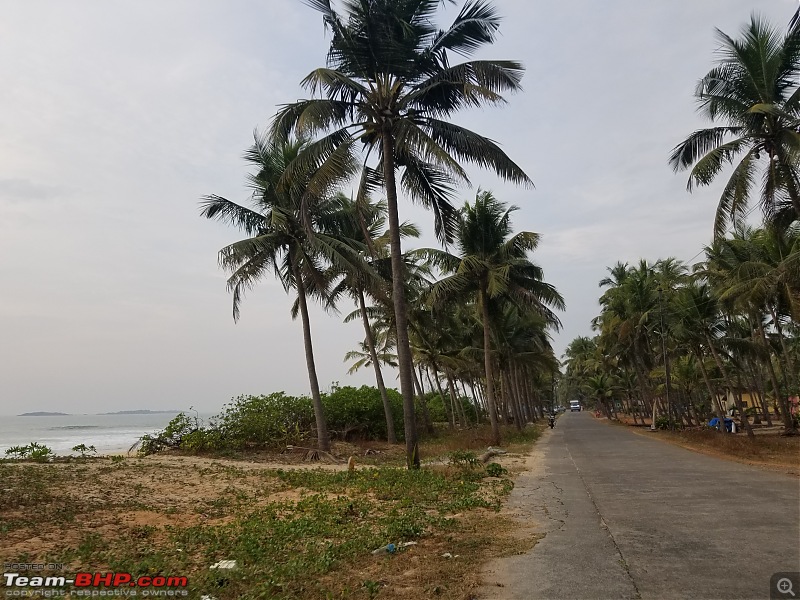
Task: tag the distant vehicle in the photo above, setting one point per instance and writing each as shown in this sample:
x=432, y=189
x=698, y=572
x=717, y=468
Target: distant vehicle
x=574, y=405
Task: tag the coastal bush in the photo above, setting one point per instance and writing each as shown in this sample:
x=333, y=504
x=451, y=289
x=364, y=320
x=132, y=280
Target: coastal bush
x=17, y=452
x=278, y=420
x=84, y=450
x=178, y=429
x=272, y=421
x=33, y=451
x=360, y=410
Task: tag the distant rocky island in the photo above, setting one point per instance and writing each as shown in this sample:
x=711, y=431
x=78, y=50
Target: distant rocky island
x=120, y=412
x=141, y=412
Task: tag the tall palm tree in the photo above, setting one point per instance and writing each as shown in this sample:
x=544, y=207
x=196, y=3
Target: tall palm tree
x=389, y=87
x=754, y=92
x=493, y=265
x=364, y=223
x=629, y=316
x=290, y=232
x=523, y=351
x=601, y=388
x=756, y=271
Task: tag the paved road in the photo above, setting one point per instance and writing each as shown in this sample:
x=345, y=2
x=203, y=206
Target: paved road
x=625, y=516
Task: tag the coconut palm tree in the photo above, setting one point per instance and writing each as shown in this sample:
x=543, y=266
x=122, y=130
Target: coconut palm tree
x=493, y=265
x=289, y=232
x=601, y=388
x=364, y=223
x=753, y=92
x=756, y=271
x=523, y=351
x=390, y=87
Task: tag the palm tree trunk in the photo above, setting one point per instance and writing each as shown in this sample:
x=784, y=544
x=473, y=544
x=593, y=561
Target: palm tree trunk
x=462, y=411
x=456, y=403
x=606, y=408
x=644, y=393
x=522, y=397
x=786, y=354
x=737, y=397
x=399, y=298
x=480, y=396
x=323, y=439
x=451, y=418
x=722, y=370
x=762, y=396
x=509, y=394
x=786, y=414
x=487, y=364
x=466, y=395
x=391, y=436
x=426, y=415
x=714, y=399
x=477, y=393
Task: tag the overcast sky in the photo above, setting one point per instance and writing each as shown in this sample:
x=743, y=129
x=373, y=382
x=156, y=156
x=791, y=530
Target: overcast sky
x=117, y=116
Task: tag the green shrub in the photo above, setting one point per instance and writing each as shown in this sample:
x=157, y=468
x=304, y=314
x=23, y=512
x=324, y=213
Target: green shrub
x=84, y=450
x=175, y=431
x=464, y=459
x=273, y=421
x=348, y=407
x=33, y=451
x=278, y=420
x=495, y=470
x=663, y=422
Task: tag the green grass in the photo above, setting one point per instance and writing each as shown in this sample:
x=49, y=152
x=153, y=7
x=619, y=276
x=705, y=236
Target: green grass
x=314, y=540
x=284, y=549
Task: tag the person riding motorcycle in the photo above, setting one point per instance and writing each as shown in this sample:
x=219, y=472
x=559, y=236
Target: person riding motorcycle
x=551, y=420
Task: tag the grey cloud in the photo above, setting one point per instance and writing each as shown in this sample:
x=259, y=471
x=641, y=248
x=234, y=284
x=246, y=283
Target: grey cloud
x=19, y=190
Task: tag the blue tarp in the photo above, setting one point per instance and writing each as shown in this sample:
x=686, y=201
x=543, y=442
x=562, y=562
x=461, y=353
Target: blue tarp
x=715, y=423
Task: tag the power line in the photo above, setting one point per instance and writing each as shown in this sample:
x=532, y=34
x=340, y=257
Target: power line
x=727, y=231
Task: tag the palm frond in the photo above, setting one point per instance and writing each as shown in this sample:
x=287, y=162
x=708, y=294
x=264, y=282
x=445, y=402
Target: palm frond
x=699, y=144
x=475, y=26
x=476, y=149
x=216, y=207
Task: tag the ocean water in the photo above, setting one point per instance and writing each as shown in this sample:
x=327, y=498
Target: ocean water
x=107, y=433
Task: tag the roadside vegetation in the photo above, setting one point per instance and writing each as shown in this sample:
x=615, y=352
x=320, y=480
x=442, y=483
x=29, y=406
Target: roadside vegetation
x=680, y=343
x=294, y=532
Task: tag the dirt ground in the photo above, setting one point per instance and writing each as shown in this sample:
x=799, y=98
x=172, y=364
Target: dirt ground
x=769, y=450
x=84, y=502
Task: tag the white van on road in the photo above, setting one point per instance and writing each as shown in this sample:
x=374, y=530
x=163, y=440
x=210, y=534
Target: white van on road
x=574, y=405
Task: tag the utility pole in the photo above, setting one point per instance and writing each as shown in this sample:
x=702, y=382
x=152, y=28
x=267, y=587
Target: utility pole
x=666, y=359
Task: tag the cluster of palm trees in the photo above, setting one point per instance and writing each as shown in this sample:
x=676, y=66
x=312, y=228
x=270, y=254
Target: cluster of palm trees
x=387, y=92
x=674, y=340
x=677, y=342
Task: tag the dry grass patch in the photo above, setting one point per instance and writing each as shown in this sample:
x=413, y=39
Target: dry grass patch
x=774, y=451
x=296, y=531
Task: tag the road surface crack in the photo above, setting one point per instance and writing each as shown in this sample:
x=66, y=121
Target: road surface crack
x=604, y=525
